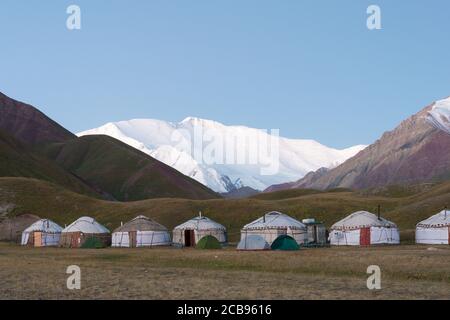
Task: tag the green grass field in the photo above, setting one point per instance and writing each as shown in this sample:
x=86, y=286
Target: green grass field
x=51, y=201
x=407, y=272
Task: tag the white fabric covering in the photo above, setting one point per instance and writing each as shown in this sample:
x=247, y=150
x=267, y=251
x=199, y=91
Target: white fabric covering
x=50, y=233
x=434, y=230
x=143, y=239
x=86, y=225
x=202, y=227
x=347, y=231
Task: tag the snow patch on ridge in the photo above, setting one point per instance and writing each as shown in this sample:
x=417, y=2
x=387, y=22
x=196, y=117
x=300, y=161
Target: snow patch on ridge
x=439, y=115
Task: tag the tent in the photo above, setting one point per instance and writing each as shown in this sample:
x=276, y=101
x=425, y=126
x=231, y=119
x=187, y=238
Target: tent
x=42, y=233
x=274, y=224
x=85, y=233
x=208, y=242
x=253, y=242
x=434, y=230
x=363, y=228
x=141, y=232
x=286, y=243
x=190, y=232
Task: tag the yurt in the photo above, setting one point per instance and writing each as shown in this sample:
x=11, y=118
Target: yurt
x=363, y=228
x=434, y=230
x=85, y=233
x=190, y=232
x=141, y=232
x=42, y=233
x=271, y=226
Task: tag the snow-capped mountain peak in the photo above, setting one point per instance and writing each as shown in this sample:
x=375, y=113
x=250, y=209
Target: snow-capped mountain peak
x=439, y=115
x=225, y=157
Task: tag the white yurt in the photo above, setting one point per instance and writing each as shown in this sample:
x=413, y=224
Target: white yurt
x=190, y=232
x=85, y=232
x=270, y=226
x=434, y=230
x=363, y=228
x=141, y=232
x=42, y=233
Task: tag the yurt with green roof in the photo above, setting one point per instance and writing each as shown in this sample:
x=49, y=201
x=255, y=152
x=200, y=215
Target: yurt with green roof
x=141, y=232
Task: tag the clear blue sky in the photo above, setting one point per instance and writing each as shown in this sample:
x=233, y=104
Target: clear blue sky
x=310, y=68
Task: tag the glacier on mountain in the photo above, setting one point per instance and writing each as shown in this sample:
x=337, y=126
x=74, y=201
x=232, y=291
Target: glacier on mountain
x=439, y=115
x=193, y=147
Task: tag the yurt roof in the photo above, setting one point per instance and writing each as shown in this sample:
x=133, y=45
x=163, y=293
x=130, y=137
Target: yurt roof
x=362, y=219
x=275, y=220
x=44, y=225
x=201, y=223
x=141, y=223
x=441, y=219
x=86, y=225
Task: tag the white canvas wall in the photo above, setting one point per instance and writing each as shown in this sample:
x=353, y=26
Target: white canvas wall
x=432, y=235
x=178, y=235
x=270, y=235
x=152, y=238
x=378, y=235
x=143, y=239
x=120, y=240
x=47, y=240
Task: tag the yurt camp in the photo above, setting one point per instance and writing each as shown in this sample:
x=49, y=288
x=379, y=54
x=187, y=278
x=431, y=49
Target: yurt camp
x=434, y=230
x=141, y=232
x=269, y=227
x=85, y=233
x=191, y=232
x=363, y=228
x=42, y=233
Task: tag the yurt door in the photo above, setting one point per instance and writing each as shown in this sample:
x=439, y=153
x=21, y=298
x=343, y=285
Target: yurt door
x=74, y=239
x=133, y=238
x=38, y=239
x=189, y=238
x=364, y=237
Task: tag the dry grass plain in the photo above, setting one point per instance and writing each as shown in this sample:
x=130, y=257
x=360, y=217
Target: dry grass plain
x=408, y=272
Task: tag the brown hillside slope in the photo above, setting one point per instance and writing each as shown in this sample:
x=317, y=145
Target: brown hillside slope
x=414, y=152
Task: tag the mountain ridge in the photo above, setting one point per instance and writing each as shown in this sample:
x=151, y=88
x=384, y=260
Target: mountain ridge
x=156, y=138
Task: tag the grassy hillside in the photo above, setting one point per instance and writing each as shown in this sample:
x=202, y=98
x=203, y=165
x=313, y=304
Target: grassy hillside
x=16, y=160
x=122, y=171
x=48, y=200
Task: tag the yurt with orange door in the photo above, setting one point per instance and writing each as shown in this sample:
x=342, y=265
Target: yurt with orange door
x=190, y=232
x=140, y=232
x=85, y=233
x=363, y=228
x=42, y=233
